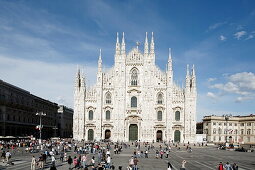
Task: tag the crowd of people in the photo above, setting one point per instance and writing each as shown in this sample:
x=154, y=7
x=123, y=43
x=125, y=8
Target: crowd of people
x=91, y=155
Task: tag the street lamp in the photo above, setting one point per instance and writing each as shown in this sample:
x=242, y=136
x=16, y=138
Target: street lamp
x=227, y=116
x=40, y=114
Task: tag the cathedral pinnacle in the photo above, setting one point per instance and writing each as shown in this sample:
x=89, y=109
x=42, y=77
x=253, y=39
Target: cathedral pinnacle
x=100, y=61
x=146, y=45
x=152, y=44
x=187, y=75
x=193, y=71
x=123, y=45
x=170, y=60
x=117, y=44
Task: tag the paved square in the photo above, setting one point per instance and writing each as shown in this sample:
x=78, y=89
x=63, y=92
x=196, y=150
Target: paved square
x=204, y=158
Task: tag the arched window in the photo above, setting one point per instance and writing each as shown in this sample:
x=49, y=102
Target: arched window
x=90, y=115
x=107, y=115
x=134, y=77
x=177, y=115
x=108, y=98
x=133, y=101
x=160, y=98
x=159, y=116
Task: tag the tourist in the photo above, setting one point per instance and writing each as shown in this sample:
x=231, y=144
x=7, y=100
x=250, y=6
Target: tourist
x=53, y=160
x=8, y=156
x=3, y=156
x=41, y=162
x=161, y=154
x=169, y=166
x=131, y=162
x=70, y=161
x=221, y=167
x=167, y=153
x=61, y=156
x=83, y=161
x=136, y=163
x=235, y=166
x=183, y=165
x=227, y=166
x=146, y=154
x=93, y=161
x=33, y=163
x=108, y=162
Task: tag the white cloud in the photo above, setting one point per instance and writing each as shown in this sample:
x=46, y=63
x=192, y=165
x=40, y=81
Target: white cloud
x=216, y=25
x=222, y=38
x=251, y=35
x=241, y=84
x=54, y=82
x=240, y=34
x=211, y=95
x=211, y=79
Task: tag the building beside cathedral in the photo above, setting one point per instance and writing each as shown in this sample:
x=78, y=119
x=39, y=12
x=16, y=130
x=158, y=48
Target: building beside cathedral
x=135, y=100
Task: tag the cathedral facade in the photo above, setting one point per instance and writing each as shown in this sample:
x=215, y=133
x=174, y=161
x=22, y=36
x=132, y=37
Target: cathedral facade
x=135, y=100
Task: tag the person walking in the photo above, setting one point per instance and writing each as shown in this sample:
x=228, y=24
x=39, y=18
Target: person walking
x=8, y=156
x=131, y=162
x=220, y=167
x=83, y=160
x=169, y=166
x=235, y=166
x=3, y=156
x=183, y=165
x=167, y=153
x=33, y=163
x=70, y=161
x=136, y=163
x=53, y=160
x=227, y=166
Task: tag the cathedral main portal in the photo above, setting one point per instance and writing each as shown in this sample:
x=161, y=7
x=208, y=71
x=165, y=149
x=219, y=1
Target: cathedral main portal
x=133, y=132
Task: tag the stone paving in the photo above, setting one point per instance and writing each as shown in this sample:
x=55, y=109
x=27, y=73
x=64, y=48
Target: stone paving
x=201, y=158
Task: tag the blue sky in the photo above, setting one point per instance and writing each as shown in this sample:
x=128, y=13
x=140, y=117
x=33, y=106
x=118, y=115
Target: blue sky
x=42, y=41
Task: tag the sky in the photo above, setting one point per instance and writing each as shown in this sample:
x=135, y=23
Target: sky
x=43, y=41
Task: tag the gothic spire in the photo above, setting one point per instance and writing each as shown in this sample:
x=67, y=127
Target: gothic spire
x=170, y=59
x=146, y=44
x=152, y=44
x=117, y=44
x=187, y=75
x=193, y=71
x=123, y=45
x=100, y=61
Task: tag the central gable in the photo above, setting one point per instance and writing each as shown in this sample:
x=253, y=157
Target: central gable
x=134, y=57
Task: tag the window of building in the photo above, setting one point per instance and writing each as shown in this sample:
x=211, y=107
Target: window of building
x=160, y=98
x=219, y=131
x=249, y=124
x=214, y=131
x=248, y=139
x=108, y=115
x=235, y=124
x=133, y=101
x=242, y=131
x=177, y=115
x=230, y=124
x=206, y=131
x=220, y=138
x=225, y=131
x=214, y=123
x=108, y=98
x=248, y=131
x=134, y=77
x=219, y=124
x=91, y=115
x=225, y=124
x=214, y=138
x=159, y=116
x=242, y=124
x=236, y=131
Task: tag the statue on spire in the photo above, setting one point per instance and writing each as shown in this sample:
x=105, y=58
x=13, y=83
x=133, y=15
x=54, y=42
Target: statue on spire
x=152, y=44
x=123, y=45
x=146, y=44
x=117, y=45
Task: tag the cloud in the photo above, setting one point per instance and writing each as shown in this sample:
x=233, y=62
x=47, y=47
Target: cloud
x=251, y=35
x=239, y=34
x=211, y=79
x=216, y=25
x=241, y=84
x=222, y=38
x=211, y=95
x=51, y=81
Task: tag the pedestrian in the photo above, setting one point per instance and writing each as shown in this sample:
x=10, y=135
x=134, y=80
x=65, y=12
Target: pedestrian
x=227, y=166
x=8, y=156
x=169, y=166
x=235, y=166
x=161, y=154
x=53, y=160
x=183, y=165
x=41, y=162
x=61, y=156
x=70, y=161
x=136, y=163
x=33, y=163
x=75, y=162
x=167, y=153
x=220, y=167
x=3, y=156
x=83, y=160
x=93, y=161
x=146, y=154
x=131, y=162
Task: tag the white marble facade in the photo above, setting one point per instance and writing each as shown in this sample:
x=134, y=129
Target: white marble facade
x=135, y=100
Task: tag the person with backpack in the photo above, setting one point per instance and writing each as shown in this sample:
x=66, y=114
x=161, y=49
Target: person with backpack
x=221, y=167
x=227, y=166
x=70, y=161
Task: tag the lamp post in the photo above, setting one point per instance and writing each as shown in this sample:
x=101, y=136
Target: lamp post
x=40, y=114
x=227, y=116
